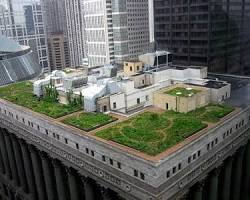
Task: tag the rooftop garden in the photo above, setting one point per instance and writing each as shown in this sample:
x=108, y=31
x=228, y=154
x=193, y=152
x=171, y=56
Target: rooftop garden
x=182, y=92
x=153, y=133
x=21, y=94
x=88, y=121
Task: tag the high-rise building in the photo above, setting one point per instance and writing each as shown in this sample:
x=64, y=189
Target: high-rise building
x=116, y=30
x=74, y=21
x=58, y=52
x=56, y=30
x=23, y=22
x=215, y=33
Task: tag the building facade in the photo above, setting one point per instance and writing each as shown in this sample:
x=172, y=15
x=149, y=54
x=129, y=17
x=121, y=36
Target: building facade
x=74, y=24
x=23, y=22
x=58, y=52
x=213, y=33
x=116, y=30
x=57, y=35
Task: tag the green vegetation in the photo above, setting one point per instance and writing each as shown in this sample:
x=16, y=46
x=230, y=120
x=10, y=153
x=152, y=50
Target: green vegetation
x=212, y=113
x=75, y=100
x=50, y=93
x=21, y=94
x=182, y=92
x=88, y=121
x=153, y=133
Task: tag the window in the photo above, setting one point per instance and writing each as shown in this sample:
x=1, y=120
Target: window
x=142, y=176
x=216, y=140
x=111, y=161
x=23, y=120
x=143, y=82
x=138, y=68
x=174, y=170
x=166, y=106
x=194, y=156
x=147, y=98
x=179, y=166
x=87, y=150
x=77, y=145
x=168, y=174
x=199, y=153
x=66, y=140
x=47, y=132
x=189, y=159
x=103, y=158
x=38, y=127
x=119, y=165
x=208, y=146
x=135, y=173
x=114, y=105
x=54, y=135
x=138, y=101
x=131, y=69
x=57, y=137
x=92, y=153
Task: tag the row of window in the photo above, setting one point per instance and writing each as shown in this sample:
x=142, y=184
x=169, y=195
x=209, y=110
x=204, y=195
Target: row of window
x=66, y=141
x=194, y=156
x=210, y=146
x=139, y=174
x=174, y=170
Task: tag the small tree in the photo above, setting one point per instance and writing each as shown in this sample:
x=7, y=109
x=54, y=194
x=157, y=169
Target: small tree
x=69, y=96
x=51, y=94
x=80, y=100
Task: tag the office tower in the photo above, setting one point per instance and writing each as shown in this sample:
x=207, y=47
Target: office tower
x=58, y=52
x=74, y=19
x=115, y=30
x=213, y=33
x=56, y=30
x=23, y=22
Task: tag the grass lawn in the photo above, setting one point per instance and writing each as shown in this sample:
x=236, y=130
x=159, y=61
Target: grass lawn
x=153, y=133
x=88, y=121
x=182, y=92
x=21, y=94
x=212, y=113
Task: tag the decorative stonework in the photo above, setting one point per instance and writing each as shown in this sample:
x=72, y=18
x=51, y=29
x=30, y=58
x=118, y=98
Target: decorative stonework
x=182, y=181
x=24, y=134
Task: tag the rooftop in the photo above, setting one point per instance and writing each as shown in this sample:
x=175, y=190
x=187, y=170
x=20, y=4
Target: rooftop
x=182, y=92
x=155, y=132
x=151, y=132
x=21, y=94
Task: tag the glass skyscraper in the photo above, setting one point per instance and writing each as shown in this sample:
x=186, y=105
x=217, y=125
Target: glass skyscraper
x=23, y=22
x=215, y=33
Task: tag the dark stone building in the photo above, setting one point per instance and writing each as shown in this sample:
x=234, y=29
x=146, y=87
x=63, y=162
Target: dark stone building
x=215, y=33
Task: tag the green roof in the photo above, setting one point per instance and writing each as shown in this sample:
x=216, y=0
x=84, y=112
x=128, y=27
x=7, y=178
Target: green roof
x=182, y=92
